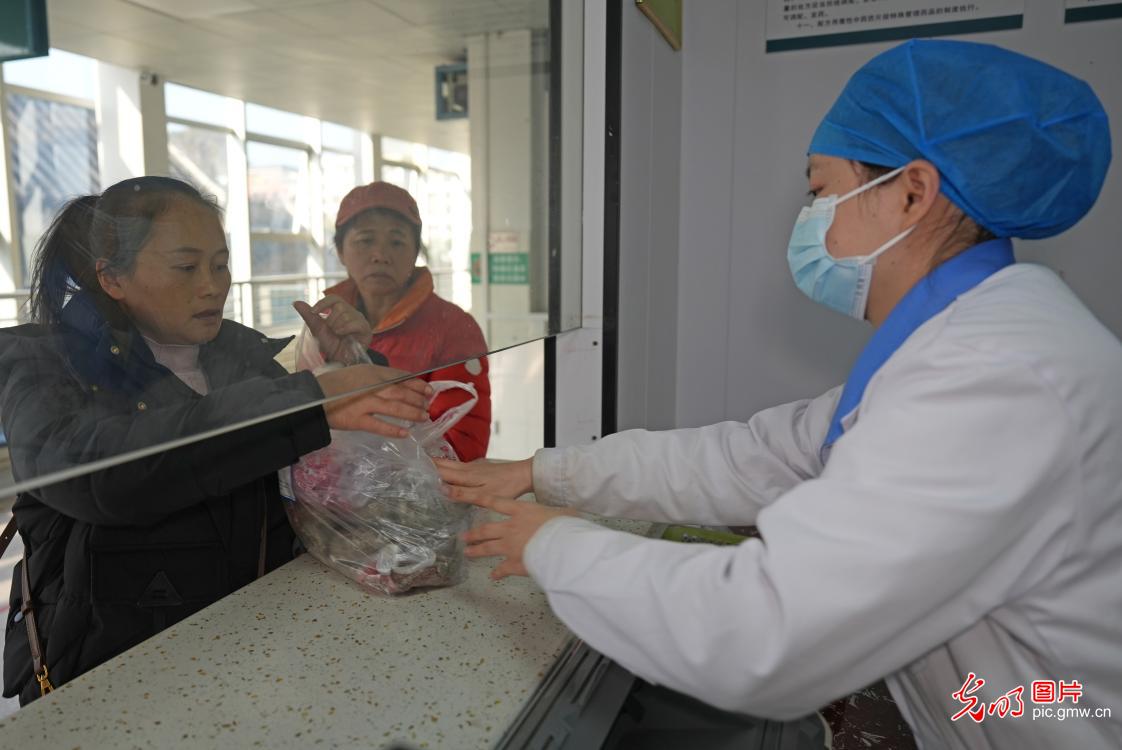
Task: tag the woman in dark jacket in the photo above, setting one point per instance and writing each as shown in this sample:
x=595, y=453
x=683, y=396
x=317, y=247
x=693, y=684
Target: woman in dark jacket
x=129, y=350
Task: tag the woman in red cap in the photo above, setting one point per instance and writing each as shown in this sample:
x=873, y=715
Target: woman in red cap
x=388, y=303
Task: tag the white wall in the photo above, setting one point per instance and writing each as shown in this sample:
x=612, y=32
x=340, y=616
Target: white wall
x=745, y=337
x=517, y=401
x=650, y=157
x=120, y=130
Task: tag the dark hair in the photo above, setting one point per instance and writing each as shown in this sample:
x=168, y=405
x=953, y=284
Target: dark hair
x=964, y=230
x=341, y=231
x=111, y=227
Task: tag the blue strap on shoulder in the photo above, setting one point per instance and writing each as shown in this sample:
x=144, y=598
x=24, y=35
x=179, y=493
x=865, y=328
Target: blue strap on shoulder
x=923, y=302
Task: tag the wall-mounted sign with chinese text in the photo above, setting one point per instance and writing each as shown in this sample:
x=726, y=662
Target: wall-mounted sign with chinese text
x=804, y=24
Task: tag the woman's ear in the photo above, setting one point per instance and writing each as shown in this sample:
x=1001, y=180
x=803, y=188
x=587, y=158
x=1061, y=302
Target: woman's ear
x=110, y=282
x=920, y=181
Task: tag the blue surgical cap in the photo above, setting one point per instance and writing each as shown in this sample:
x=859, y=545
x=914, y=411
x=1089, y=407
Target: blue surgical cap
x=1021, y=147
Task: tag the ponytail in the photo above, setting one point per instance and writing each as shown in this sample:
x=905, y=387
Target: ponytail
x=62, y=261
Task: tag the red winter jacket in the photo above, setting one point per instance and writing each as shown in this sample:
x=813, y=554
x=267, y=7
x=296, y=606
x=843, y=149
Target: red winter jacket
x=423, y=331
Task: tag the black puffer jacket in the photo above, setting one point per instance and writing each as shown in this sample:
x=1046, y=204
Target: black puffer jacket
x=119, y=554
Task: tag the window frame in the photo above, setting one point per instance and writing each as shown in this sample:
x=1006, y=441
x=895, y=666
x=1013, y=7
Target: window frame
x=329, y=227
x=309, y=236
x=16, y=250
x=225, y=131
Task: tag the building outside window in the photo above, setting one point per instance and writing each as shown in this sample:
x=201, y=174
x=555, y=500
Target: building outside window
x=53, y=158
x=295, y=170
x=340, y=169
x=51, y=132
x=440, y=181
x=199, y=156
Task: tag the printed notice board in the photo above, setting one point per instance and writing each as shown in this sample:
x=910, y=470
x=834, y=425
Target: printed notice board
x=805, y=24
x=508, y=268
x=1076, y=11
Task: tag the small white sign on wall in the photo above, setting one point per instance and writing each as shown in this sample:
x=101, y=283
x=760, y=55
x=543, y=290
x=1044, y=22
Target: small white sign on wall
x=805, y=24
x=504, y=242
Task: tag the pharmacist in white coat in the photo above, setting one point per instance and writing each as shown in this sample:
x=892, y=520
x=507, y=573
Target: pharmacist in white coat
x=953, y=513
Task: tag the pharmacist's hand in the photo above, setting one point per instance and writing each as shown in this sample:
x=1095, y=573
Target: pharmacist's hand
x=407, y=400
x=482, y=479
x=508, y=539
x=342, y=332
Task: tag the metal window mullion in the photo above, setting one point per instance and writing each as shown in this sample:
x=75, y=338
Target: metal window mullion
x=237, y=205
x=375, y=143
x=15, y=241
x=201, y=125
x=282, y=142
x=281, y=236
x=316, y=260
x=283, y=278
x=74, y=101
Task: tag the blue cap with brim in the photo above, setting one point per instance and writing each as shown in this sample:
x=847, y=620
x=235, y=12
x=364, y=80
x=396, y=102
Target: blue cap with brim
x=1021, y=147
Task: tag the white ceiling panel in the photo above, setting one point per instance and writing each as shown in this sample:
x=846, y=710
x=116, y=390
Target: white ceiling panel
x=113, y=16
x=119, y=50
x=437, y=12
x=340, y=17
x=258, y=27
x=364, y=63
x=174, y=38
x=275, y=4
x=63, y=29
x=195, y=8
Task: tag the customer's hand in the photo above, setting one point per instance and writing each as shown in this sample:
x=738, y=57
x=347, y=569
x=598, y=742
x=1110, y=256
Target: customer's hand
x=407, y=400
x=484, y=480
x=508, y=539
x=342, y=332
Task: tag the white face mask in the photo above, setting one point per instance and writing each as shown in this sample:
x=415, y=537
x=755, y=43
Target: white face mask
x=841, y=284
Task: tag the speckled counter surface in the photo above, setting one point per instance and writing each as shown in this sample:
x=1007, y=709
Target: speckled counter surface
x=303, y=658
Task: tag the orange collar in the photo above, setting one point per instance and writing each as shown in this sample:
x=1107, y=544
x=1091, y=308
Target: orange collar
x=419, y=290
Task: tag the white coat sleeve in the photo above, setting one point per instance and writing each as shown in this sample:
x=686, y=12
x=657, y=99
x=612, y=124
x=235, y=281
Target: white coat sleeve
x=951, y=494
x=721, y=474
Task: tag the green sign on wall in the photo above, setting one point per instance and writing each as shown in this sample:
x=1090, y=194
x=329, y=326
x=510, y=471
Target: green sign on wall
x=508, y=268
x=502, y=268
x=476, y=268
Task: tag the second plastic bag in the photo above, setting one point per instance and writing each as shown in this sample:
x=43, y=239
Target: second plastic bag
x=372, y=507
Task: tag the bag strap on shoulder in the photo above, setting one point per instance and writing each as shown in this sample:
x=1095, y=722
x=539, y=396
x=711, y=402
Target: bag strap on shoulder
x=7, y=535
x=27, y=609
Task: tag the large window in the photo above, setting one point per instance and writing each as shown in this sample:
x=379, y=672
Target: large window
x=62, y=73
x=339, y=171
x=278, y=189
x=53, y=159
x=186, y=103
x=276, y=123
x=440, y=181
x=279, y=209
x=292, y=171
x=199, y=156
x=51, y=130
x=280, y=233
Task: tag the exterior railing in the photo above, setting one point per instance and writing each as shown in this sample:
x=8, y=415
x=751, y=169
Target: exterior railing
x=267, y=300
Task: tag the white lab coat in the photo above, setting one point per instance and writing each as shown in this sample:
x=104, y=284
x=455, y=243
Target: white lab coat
x=970, y=519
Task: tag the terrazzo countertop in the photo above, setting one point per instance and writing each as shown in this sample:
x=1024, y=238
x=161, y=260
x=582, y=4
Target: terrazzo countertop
x=304, y=658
